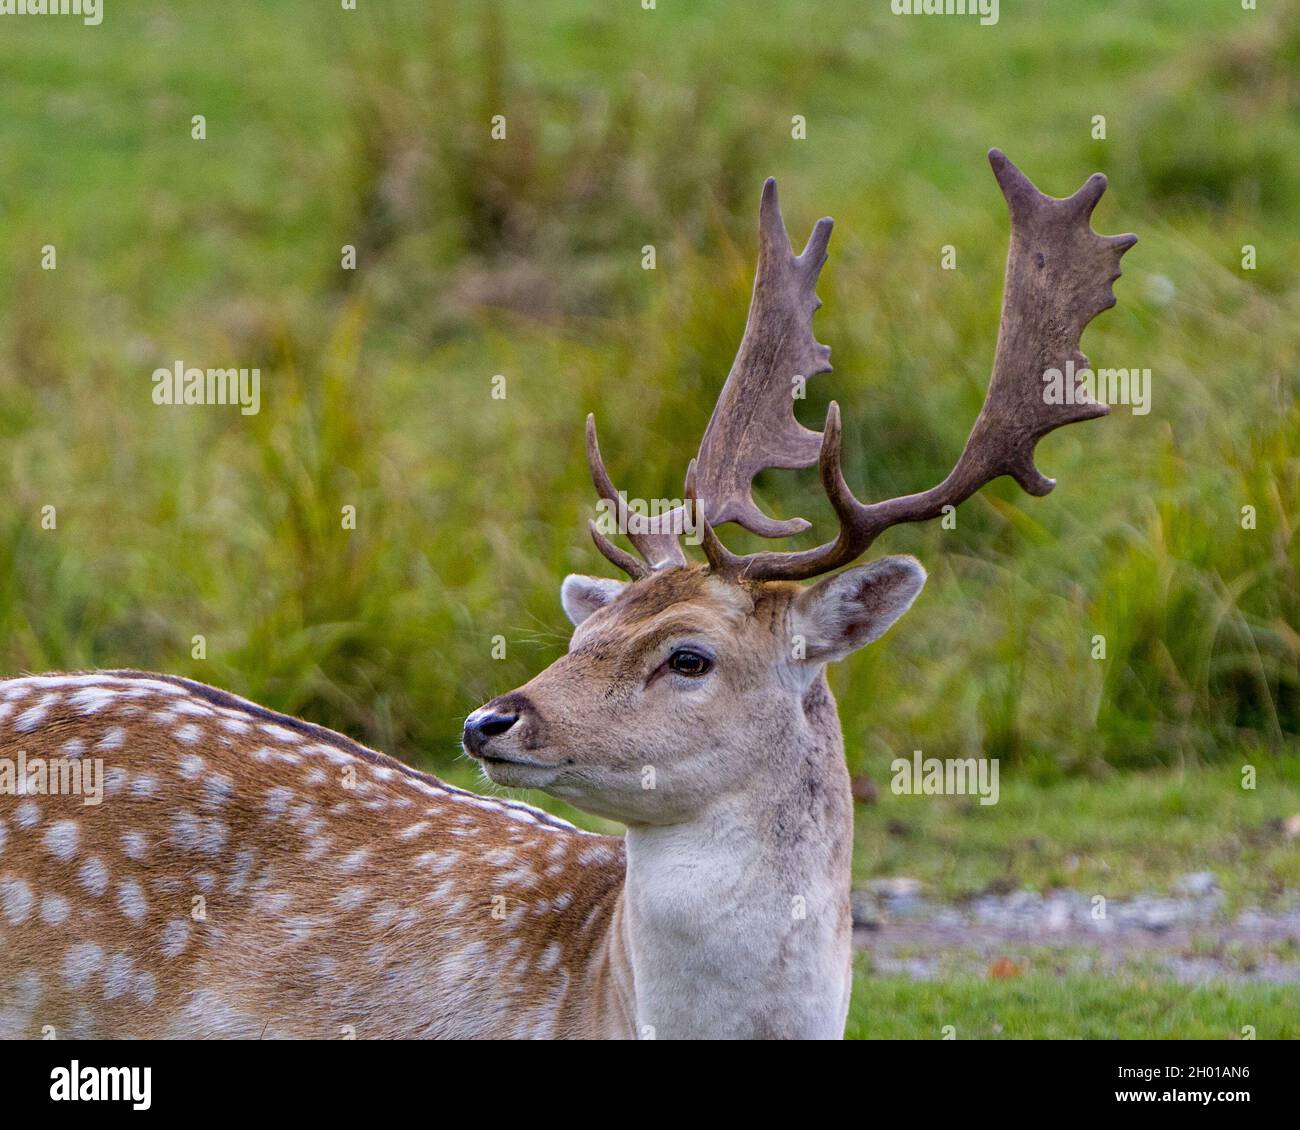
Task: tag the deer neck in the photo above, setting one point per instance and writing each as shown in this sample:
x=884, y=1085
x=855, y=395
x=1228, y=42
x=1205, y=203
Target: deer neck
x=736, y=923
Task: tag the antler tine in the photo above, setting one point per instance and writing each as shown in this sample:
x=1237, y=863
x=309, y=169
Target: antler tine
x=634, y=567
x=753, y=426
x=655, y=539
x=1058, y=278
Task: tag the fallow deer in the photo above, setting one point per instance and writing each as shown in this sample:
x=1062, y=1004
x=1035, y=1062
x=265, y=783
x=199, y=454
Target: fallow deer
x=248, y=874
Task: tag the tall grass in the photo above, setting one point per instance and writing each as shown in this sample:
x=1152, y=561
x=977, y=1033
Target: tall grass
x=523, y=257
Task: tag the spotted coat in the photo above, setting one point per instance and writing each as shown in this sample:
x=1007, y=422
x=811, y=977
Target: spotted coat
x=248, y=874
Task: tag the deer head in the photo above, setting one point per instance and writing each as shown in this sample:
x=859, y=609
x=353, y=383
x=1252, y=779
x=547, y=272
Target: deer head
x=700, y=673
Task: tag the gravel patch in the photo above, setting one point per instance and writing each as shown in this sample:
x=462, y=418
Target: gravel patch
x=1187, y=935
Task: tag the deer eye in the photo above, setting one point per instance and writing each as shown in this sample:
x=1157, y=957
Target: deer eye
x=684, y=661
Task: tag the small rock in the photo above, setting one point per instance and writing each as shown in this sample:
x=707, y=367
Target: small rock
x=1058, y=916
x=1157, y=916
x=1197, y=884
x=950, y=918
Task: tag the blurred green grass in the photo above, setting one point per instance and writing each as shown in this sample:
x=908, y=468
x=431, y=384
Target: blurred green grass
x=1045, y=1005
x=522, y=258
x=1130, y=834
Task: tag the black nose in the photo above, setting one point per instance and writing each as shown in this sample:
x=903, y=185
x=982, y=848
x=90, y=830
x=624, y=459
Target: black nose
x=479, y=729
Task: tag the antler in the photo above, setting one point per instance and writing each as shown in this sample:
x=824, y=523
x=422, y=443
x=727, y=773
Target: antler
x=753, y=426
x=654, y=538
x=1058, y=278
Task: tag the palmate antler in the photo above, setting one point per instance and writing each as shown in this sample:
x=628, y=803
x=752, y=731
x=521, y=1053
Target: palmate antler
x=1059, y=276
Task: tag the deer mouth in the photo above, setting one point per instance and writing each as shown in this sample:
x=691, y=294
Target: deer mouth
x=517, y=771
x=497, y=759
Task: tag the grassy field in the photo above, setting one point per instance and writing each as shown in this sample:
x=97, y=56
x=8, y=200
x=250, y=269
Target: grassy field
x=1050, y=1006
x=1135, y=833
x=522, y=258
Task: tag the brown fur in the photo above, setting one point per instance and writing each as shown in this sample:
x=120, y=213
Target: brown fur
x=294, y=943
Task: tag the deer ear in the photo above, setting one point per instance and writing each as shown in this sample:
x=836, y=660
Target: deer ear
x=852, y=609
x=581, y=596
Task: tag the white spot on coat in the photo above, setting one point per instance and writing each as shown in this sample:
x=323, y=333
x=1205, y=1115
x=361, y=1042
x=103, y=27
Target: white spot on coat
x=198, y=833
x=351, y=897
x=16, y=899
x=112, y=739
x=354, y=861
x=81, y=962
x=277, y=800
x=61, y=839
x=144, y=786
x=243, y=868
x=135, y=845
x=131, y=900
x=94, y=876
x=118, y=975
x=115, y=780
x=217, y=789
x=175, y=937
x=93, y=699
x=54, y=909
x=32, y=717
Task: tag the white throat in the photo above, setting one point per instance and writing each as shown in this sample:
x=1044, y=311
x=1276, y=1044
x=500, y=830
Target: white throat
x=737, y=923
